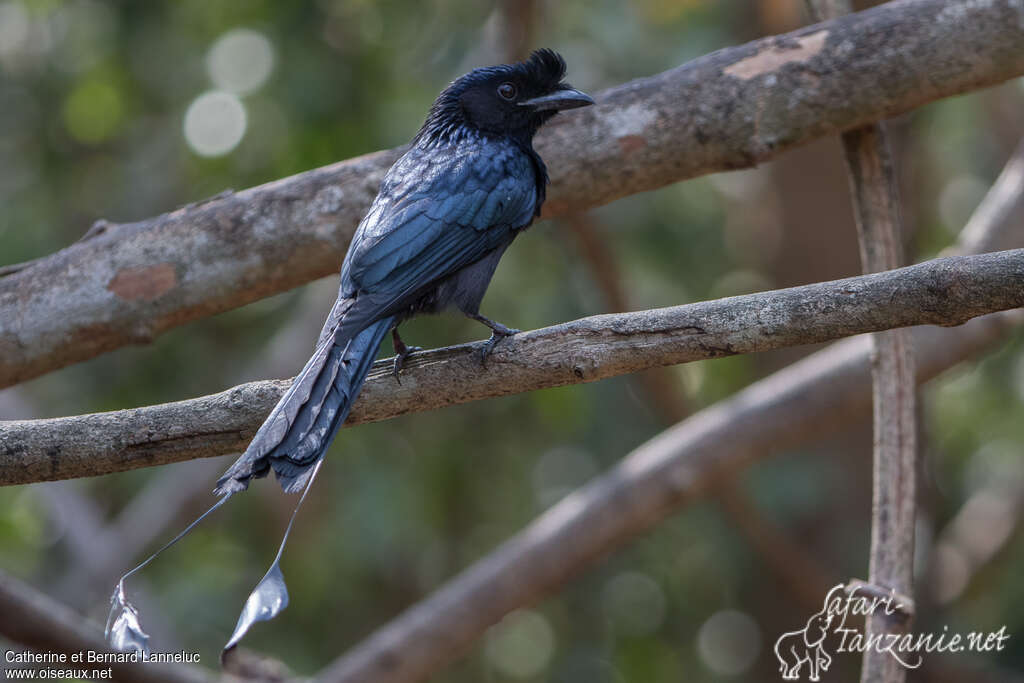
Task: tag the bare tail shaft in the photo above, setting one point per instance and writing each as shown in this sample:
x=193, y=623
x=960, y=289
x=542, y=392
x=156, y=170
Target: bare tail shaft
x=302, y=425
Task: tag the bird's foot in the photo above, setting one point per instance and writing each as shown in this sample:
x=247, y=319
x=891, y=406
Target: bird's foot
x=401, y=353
x=400, y=361
x=498, y=333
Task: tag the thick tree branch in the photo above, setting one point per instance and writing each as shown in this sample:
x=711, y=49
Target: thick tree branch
x=796, y=569
x=731, y=109
x=803, y=401
x=809, y=399
x=945, y=291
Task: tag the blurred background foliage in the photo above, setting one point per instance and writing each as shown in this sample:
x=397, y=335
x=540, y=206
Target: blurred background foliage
x=123, y=110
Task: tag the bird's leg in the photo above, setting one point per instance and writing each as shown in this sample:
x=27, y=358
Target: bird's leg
x=498, y=332
x=401, y=353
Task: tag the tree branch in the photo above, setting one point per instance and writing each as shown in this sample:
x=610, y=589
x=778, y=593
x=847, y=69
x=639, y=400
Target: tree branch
x=982, y=527
x=946, y=291
x=664, y=397
x=730, y=109
x=894, y=498
x=36, y=620
x=795, y=569
x=808, y=399
x=1001, y=210
x=894, y=494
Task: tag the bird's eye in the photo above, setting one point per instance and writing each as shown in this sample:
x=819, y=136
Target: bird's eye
x=507, y=91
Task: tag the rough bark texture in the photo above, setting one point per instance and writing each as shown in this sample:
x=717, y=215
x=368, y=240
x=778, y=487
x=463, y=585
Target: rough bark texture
x=38, y=621
x=731, y=109
x=808, y=399
x=814, y=397
x=894, y=498
x=945, y=291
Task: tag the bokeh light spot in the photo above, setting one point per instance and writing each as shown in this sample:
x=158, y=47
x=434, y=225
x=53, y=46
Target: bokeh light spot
x=521, y=645
x=14, y=27
x=240, y=61
x=215, y=123
x=93, y=111
x=635, y=604
x=729, y=642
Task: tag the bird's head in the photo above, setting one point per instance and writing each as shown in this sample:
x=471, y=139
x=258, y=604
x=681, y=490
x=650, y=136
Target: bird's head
x=510, y=99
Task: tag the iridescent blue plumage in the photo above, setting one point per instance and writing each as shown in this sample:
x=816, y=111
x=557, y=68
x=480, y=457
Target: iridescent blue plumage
x=445, y=213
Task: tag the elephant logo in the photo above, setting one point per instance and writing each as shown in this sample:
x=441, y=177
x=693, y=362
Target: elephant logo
x=807, y=646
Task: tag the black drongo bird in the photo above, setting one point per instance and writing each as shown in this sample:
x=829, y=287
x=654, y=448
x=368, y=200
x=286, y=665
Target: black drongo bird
x=446, y=212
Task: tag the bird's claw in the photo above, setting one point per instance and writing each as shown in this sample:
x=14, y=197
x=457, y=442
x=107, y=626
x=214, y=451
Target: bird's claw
x=498, y=333
x=400, y=357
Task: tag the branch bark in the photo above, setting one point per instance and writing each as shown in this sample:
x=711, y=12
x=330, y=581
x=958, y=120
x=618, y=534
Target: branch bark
x=876, y=209
x=894, y=497
x=814, y=397
x=945, y=291
x=806, y=400
x=730, y=109
x=664, y=396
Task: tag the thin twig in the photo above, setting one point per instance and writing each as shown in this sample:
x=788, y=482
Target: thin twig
x=809, y=399
x=1000, y=209
x=791, y=562
x=798, y=571
x=663, y=396
x=894, y=499
x=944, y=291
x=519, y=21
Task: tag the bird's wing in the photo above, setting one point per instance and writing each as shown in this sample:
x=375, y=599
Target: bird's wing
x=437, y=213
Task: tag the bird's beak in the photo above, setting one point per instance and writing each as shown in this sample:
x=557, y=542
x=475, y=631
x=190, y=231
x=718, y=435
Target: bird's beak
x=558, y=100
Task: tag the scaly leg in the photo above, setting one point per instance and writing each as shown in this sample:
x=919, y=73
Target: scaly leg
x=401, y=353
x=498, y=332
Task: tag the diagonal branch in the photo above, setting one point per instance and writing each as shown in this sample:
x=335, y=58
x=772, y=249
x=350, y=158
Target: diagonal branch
x=802, y=577
x=730, y=109
x=664, y=397
x=1000, y=210
x=946, y=291
x=809, y=399
x=803, y=401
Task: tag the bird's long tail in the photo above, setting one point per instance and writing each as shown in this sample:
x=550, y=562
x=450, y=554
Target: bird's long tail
x=302, y=425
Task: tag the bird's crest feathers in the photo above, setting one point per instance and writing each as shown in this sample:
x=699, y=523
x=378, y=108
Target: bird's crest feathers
x=539, y=74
